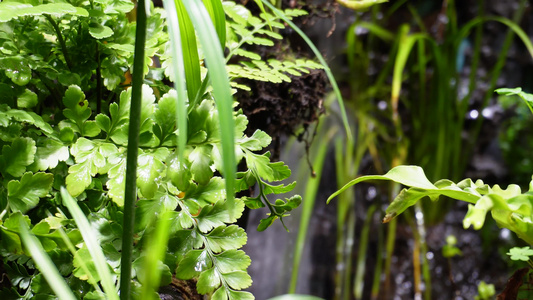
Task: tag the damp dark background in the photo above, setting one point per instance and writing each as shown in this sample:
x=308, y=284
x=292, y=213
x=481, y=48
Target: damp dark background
x=501, y=154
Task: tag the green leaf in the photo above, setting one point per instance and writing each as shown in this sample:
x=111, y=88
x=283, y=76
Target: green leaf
x=11, y=10
x=49, y=154
x=225, y=238
x=90, y=159
x=15, y=67
x=190, y=51
x=217, y=215
x=149, y=172
x=24, y=195
x=99, y=31
x=412, y=176
x=146, y=210
x=27, y=99
x=91, y=241
x=194, y=262
x=266, y=222
x=237, y=279
x=77, y=110
x=208, y=281
x=45, y=264
x=216, y=65
x=232, y=260
x=227, y=294
x=201, y=161
x=207, y=194
x=256, y=142
x=518, y=253
x=103, y=122
x=165, y=115
x=17, y=156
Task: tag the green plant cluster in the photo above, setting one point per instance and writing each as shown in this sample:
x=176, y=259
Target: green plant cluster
x=64, y=119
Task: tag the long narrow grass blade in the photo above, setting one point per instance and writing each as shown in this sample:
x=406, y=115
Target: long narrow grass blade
x=44, y=263
x=130, y=190
x=361, y=256
x=216, y=66
x=155, y=253
x=91, y=241
x=178, y=68
x=189, y=56
x=72, y=250
x=218, y=17
x=321, y=60
x=307, y=209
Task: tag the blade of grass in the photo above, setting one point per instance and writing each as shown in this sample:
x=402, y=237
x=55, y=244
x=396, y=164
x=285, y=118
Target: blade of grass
x=322, y=61
x=361, y=256
x=216, y=66
x=218, y=17
x=307, y=208
x=189, y=49
x=72, y=250
x=91, y=241
x=130, y=190
x=155, y=253
x=44, y=263
x=179, y=74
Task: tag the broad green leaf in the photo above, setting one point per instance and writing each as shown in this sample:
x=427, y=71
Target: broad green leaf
x=24, y=195
x=17, y=156
x=232, y=260
x=82, y=263
x=201, y=161
x=208, y=281
x=27, y=99
x=237, y=279
x=165, y=116
x=77, y=110
x=179, y=174
x=99, y=31
x=227, y=294
x=116, y=182
x=225, y=238
x=11, y=10
x=194, y=262
x=103, y=122
x=149, y=172
x=261, y=165
x=146, y=210
x=15, y=67
x=209, y=193
x=217, y=215
x=518, y=253
x=49, y=154
x=256, y=142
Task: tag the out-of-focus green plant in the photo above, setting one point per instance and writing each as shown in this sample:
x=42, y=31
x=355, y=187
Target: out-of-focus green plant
x=485, y=291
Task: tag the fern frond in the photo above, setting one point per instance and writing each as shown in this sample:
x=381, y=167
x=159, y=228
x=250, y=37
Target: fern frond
x=273, y=70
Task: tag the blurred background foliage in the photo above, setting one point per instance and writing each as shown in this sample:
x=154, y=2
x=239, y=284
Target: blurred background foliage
x=417, y=80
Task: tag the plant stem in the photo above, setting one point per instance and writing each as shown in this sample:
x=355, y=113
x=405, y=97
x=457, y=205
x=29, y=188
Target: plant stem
x=61, y=41
x=130, y=193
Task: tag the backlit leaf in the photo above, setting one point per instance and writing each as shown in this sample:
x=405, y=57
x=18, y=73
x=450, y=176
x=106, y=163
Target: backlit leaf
x=24, y=194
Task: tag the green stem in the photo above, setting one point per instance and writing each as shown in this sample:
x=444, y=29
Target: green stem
x=130, y=193
x=61, y=41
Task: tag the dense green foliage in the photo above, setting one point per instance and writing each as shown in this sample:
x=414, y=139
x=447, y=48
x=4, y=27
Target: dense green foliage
x=64, y=121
